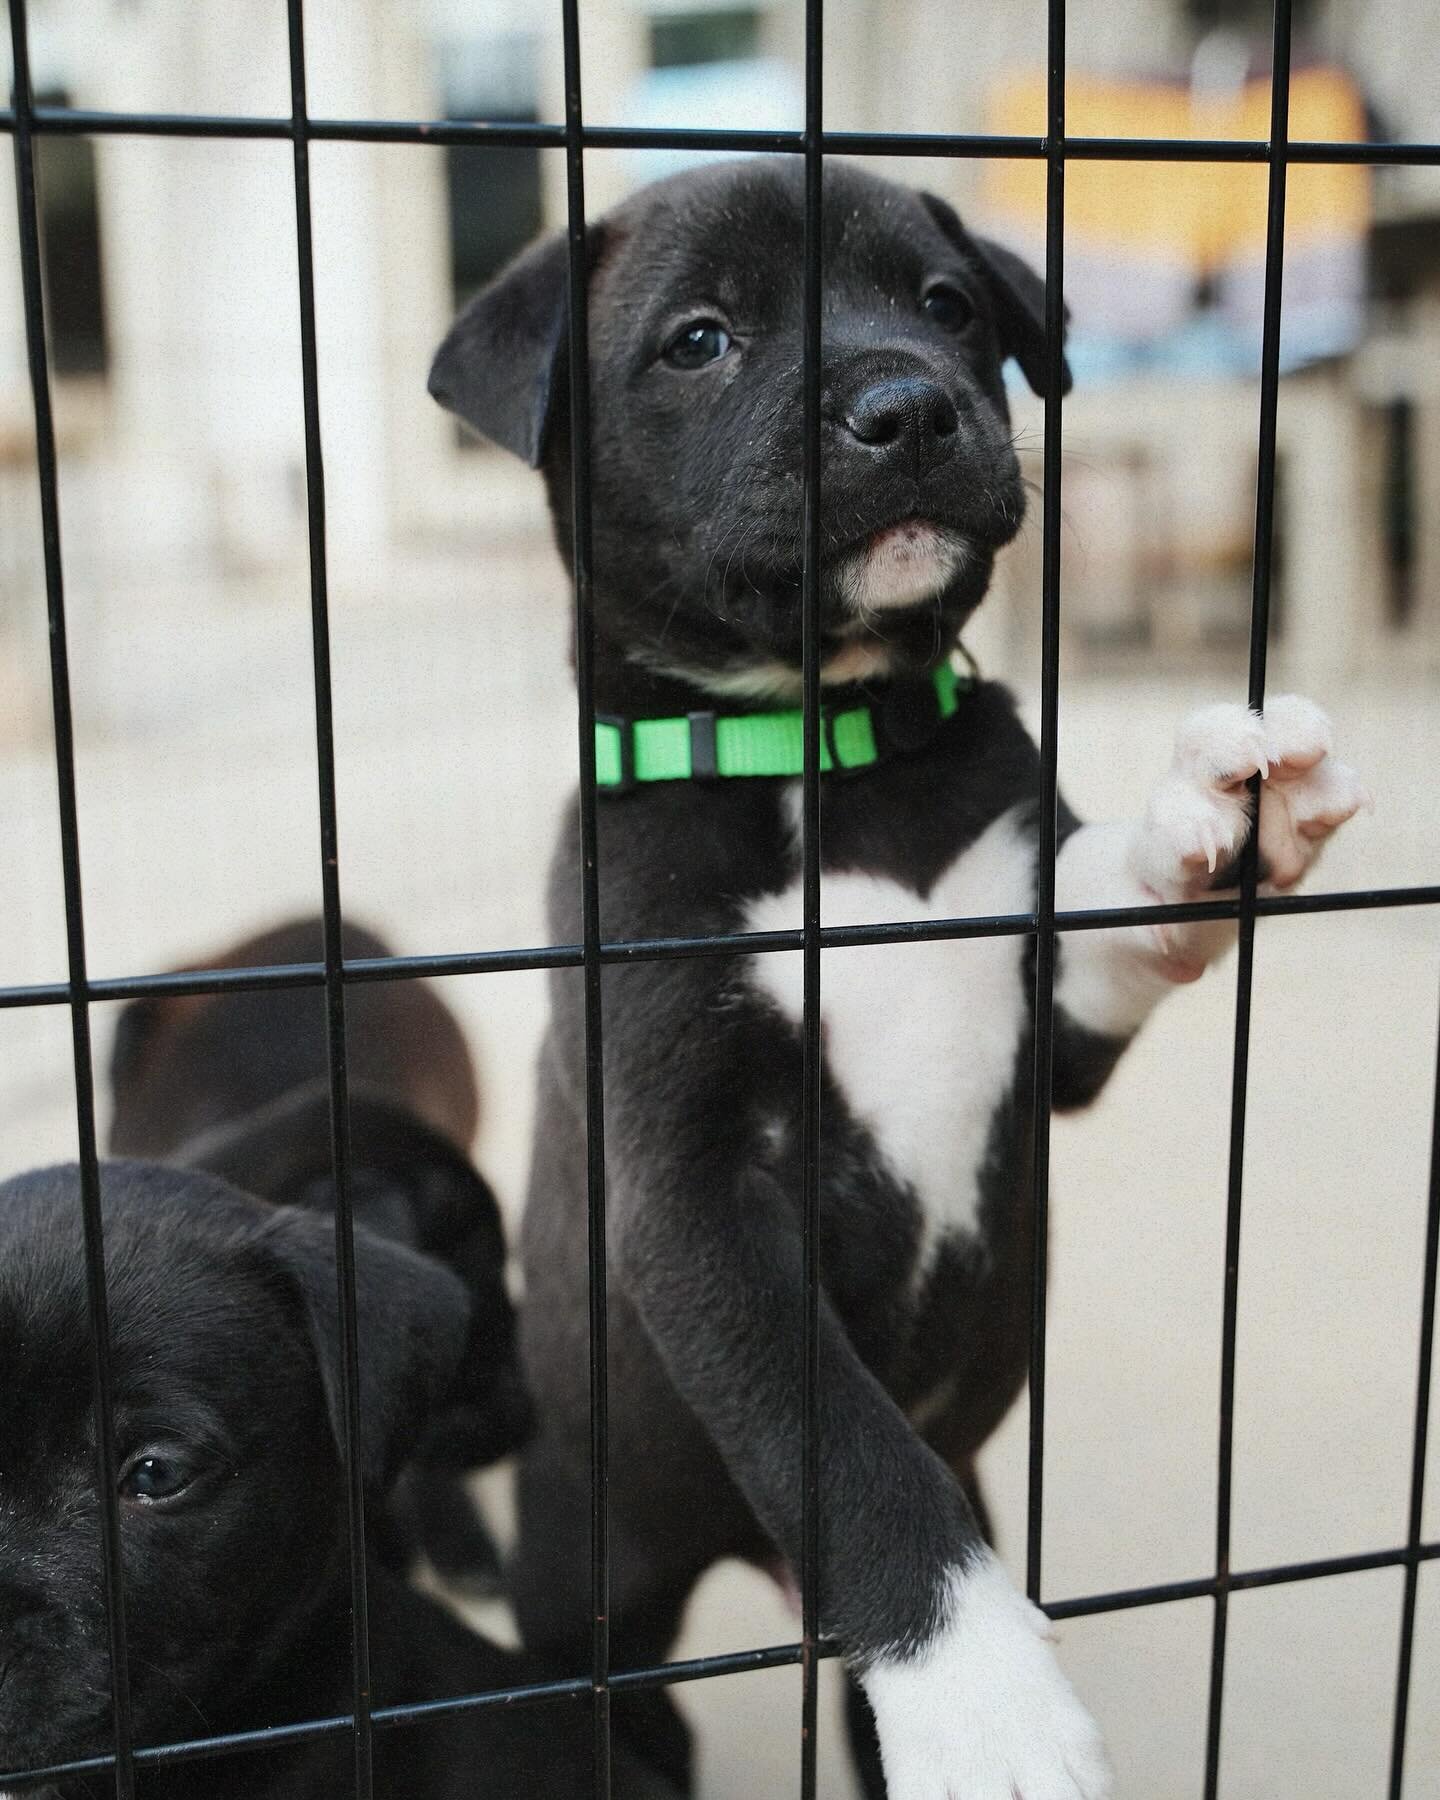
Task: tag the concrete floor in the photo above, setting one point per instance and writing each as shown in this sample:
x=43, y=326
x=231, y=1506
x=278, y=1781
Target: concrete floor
x=198, y=822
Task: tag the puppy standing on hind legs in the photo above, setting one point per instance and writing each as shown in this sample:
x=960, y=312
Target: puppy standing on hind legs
x=930, y=810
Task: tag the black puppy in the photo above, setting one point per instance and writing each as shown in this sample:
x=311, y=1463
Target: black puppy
x=930, y=809
x=226, y=1357
x=236, y=1083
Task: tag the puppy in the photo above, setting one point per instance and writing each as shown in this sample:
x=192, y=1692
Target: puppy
x=237, y=1084
x=930, y=809
x=226, y=1357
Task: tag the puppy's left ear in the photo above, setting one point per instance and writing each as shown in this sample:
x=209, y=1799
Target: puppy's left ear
x=502, y=363
x=1017, y=290
x=413, y=1323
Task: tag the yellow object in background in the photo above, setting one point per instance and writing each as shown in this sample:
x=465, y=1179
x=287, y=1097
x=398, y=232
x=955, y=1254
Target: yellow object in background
x=1206, y=216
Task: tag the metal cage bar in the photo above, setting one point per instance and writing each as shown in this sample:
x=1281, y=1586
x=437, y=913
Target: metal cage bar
x=1045, y=940
x=78, y=992
x=705, y=1668
x=755, y=943
x=1414, y=1553
x=508, y=134
x=77, y=997
x=1245, y=961
x=810, y=817
x=334, y=982
x=589, y=895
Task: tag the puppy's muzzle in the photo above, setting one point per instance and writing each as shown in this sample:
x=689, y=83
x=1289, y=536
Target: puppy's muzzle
x=907, y=424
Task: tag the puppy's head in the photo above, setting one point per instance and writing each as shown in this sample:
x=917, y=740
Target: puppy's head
x=226, y=1359
x=185, y=1063
x=696, y=309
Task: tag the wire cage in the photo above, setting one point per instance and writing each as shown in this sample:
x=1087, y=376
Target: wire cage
x=25, y=121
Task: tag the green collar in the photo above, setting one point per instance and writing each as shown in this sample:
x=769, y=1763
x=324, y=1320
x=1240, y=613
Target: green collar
x=705, y=745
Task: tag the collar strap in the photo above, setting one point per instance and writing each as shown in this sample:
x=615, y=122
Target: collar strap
x=702, y=746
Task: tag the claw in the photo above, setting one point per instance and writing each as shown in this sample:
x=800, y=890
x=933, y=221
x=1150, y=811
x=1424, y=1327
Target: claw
x=1226, y=759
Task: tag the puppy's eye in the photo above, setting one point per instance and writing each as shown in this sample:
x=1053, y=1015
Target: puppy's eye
x=948, y=307
x=701, y=341
x=154, y=1477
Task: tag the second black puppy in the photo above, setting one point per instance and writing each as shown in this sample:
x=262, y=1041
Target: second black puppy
x=237, y=1083
x=225, y=1353
x=930, y=809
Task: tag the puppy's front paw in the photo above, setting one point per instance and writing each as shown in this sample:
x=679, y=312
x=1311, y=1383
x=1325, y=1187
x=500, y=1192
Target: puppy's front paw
x=1307, y=794
x=984, y=1712
x=1199, y=817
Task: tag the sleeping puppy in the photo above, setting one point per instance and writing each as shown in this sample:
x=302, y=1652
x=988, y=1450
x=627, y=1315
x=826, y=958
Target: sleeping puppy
x=226, y=1358
x=237, y=1083
x=930, y=809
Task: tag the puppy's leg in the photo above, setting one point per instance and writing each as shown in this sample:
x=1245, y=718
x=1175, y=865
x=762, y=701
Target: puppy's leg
x=981, y=1711
x=864, y=1741
x=967, y=1695
x=392, y=1526
x=549, y=1587
x=1184, y=848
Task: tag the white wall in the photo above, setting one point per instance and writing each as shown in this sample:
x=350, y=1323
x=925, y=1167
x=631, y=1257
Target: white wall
x=204, y=447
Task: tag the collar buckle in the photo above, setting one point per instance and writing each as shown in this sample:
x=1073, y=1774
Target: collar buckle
x=622, y=782
x=704, y=763
x=830, y=748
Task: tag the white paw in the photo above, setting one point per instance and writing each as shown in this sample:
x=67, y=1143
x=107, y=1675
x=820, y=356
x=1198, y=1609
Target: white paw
x=1308, y=793
x=1199, y=817
x=984, y=1712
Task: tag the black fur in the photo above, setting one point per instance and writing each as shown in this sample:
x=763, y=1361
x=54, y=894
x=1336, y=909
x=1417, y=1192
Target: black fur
x=223, y=1330
x=696, y=478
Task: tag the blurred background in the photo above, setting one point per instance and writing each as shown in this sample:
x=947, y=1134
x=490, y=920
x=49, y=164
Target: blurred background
x=171, y=290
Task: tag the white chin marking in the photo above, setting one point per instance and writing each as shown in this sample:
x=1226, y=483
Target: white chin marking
x=903, y=566
x=983, y=1711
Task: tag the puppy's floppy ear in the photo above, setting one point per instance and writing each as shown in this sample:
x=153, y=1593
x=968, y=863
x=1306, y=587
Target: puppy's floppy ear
x=502, y=363
x=138, y=1028
x=1017, y=290
x=413, y=1322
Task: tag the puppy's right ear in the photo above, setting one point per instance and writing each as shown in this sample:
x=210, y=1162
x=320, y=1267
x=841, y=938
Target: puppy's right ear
x=503, y=361
x=136, y=1029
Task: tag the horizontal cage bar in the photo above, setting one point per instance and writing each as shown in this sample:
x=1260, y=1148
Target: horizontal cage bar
x=751, y=943
x=708, y=1668
x=507, y=134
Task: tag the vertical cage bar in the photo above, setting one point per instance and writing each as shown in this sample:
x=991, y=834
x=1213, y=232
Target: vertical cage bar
x=87, y=1153
x=1049, y=755
x=1418, y=1455
x=330, y=895
x=589, y=897
x=1245, y=960
x=813, y=349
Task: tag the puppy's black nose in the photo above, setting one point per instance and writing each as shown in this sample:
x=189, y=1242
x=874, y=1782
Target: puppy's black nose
x=905, y=419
